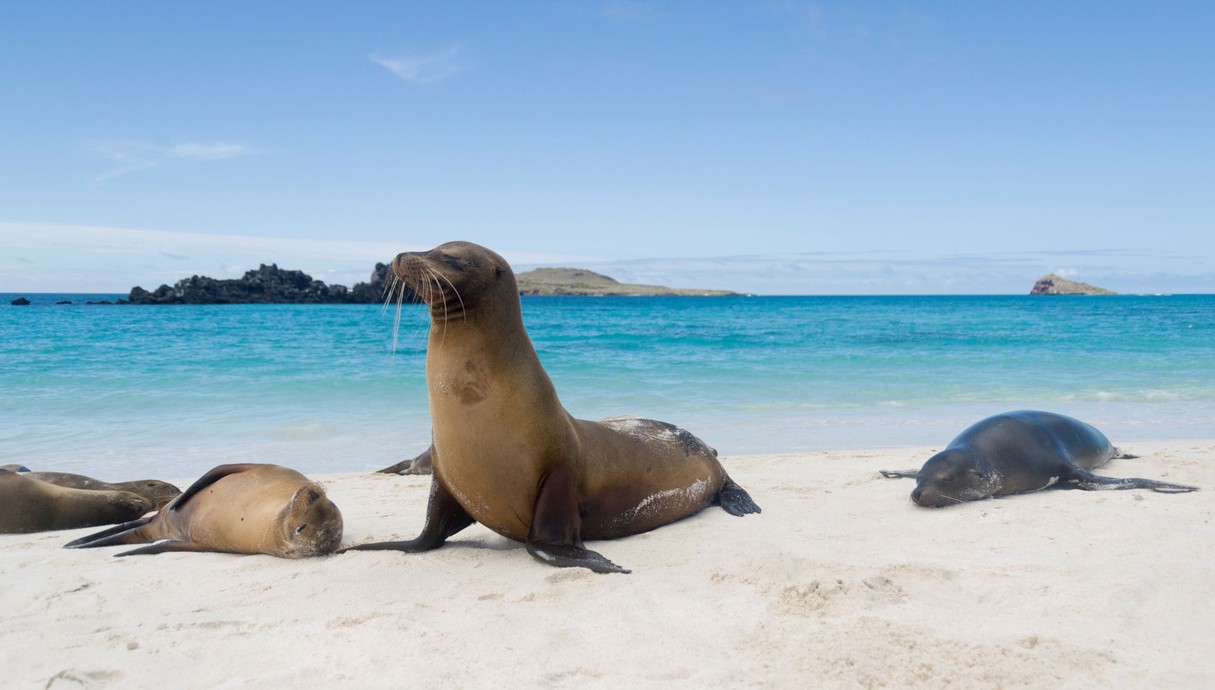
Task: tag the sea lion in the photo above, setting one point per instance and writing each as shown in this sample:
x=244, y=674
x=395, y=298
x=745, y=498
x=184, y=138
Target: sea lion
x=157, y=492
x=1020, y=452
x=14, y=468
x=421, y=464
x=507, y=454
x=32, y=505
x=236, y=509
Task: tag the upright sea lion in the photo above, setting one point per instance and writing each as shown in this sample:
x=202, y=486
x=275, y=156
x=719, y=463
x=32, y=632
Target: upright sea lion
x=32, y=505
x=507, y=454
x=236, y=509
x=1020, y=452
x=156, y=491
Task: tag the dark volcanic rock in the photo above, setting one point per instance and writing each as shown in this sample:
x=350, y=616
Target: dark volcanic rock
x=20, y=302
x=269, y=284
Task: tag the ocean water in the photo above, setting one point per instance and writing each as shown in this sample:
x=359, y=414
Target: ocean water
x=124, y=391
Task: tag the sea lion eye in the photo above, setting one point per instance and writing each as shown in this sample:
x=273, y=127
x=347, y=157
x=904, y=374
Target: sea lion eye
x=301, y=528
x=498, y=271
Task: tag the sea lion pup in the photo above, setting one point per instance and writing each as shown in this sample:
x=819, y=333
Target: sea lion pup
x=32, y=505
x=508, y=455
x=157, y=492
x=1020, y=452
x=236, y=509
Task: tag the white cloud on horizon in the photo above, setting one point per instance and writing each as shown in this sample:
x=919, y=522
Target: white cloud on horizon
x=132, y=155
x=426, y=69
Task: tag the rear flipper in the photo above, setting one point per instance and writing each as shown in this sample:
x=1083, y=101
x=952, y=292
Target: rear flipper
x=899, y=474
x=1091, y=482
x=734, y=499
x=113, y=536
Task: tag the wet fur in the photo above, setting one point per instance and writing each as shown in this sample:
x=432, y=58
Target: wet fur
x=1021, y=452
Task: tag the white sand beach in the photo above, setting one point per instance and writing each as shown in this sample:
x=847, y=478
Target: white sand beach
x=840, y=583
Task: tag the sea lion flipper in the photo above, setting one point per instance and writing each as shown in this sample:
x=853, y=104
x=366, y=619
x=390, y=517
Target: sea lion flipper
x=1088, y=481
x=422, y=464
x=899, y=474
x=212, y=476
x=444, y=517
x=735, y=500
x=165, y=546
x=555, y=534
x=569, y=556
x=112, y=536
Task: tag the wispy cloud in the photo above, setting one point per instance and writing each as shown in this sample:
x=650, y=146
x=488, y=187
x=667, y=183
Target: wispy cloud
x=132, y=156
x=431, y=68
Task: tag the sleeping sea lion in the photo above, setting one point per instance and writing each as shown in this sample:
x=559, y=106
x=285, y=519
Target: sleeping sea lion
x=32, y=505
x=236, y=509
x=157, y=492
x=1020, y=452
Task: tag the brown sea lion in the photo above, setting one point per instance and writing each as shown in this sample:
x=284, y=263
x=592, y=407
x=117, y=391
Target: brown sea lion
x=507, y=454
x=236, y=509
x=156, y=491
x=1020, y=452
x=32, y=505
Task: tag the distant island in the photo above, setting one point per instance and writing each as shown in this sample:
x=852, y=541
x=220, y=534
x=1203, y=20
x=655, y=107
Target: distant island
x=269, y=284
x=1052, y=284
x=579, y=281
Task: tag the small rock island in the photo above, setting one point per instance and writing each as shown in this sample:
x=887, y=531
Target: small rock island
x=579, y=281
x=1052, y=284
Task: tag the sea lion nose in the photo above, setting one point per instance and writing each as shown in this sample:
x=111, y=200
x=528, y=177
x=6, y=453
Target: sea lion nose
x=916, y=493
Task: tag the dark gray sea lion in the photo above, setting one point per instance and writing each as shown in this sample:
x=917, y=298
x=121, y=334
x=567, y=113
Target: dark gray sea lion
x=32, y=505
x=422, y=464
x=237, y=509
x=1020, y=452
x=507, y=454
x=156, y=491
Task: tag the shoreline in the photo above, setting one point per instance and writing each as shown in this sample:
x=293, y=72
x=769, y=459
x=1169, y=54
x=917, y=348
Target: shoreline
x=840, y=582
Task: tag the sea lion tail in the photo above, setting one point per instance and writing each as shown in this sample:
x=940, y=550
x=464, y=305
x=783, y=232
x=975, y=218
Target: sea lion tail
x=899, y=474
x=1092, y=482
x=734, y=499
x=126, y=533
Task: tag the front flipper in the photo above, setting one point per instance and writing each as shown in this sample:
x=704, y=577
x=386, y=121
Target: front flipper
x=112, y=536
x=735, y=500
x=444, y=517
x=899, y=474
x=555, y=535
x=573, y=556
x=165, y=546
x=1091, y=482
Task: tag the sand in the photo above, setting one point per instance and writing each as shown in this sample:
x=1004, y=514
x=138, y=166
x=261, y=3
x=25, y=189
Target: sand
x=841, y=582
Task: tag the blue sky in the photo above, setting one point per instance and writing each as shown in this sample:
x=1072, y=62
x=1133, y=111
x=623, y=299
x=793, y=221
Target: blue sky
x=771, y=147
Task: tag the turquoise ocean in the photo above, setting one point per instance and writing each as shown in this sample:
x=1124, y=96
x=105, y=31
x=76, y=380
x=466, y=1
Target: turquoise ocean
x=125, y=391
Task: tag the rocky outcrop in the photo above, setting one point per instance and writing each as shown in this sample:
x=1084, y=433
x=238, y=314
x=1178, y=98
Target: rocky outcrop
x=20, y=302
x=578, y=281
x=1054, y=285
x=269, y=284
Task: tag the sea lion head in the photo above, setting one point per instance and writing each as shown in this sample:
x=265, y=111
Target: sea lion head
x=158, y=492
x=954, y=475
x=310, y=525
x=454, y=277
